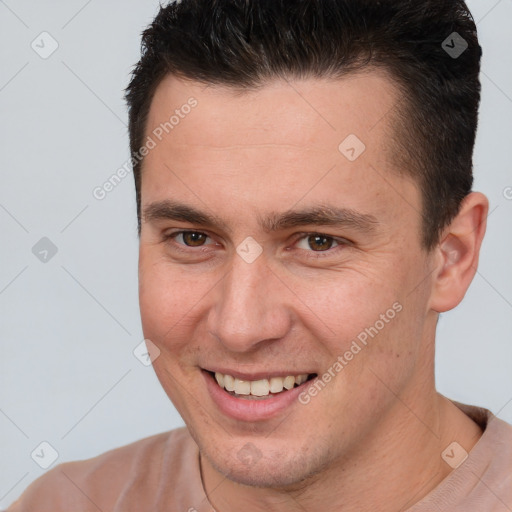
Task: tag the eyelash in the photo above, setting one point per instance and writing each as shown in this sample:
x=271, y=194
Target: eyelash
x=342, y=243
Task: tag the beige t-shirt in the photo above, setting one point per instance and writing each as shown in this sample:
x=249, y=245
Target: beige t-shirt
x=161, y=473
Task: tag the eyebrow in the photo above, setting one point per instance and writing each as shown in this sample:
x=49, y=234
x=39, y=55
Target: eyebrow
x=322, y=215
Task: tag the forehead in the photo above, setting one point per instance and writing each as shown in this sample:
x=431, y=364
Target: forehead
x=310, y=141
x=307, y=113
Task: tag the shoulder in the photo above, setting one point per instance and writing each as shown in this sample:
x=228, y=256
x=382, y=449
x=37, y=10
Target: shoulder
x=490, y=460
x=99, y=482
x=497, y=475
x=482, y=481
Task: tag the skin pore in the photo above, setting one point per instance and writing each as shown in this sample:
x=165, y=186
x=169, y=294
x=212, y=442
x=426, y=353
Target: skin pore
x=372, y=438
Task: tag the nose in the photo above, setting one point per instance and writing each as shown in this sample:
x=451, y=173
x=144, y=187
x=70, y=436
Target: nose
x=251, y=306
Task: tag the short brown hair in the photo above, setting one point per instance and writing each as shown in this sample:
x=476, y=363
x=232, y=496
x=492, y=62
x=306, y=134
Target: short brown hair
x=246, y=43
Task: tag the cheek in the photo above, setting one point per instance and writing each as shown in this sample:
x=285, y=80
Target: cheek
x=369, y=318
x=171, y=300
x=348, y=303
x=167, y=317
x=162, y=298
x=159, y=304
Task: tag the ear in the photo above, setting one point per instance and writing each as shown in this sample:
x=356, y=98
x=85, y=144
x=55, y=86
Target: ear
x=457, y=253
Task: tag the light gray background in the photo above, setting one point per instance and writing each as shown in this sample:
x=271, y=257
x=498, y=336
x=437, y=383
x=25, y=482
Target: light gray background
x=69, y=326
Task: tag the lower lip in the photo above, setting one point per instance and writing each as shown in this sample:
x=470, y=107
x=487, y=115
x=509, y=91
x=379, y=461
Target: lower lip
x=251, y=410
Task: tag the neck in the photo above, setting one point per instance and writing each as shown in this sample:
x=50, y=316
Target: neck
x=395, y=466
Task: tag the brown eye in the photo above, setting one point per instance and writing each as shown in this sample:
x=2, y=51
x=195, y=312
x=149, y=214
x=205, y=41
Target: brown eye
x=318, y=242
x=191, y=238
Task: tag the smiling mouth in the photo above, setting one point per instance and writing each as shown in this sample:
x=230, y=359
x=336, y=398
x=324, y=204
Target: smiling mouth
x=262, y=388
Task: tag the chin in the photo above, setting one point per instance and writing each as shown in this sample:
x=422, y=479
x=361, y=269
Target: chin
x=285, y=469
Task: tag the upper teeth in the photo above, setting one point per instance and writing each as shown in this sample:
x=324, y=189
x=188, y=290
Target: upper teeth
x=259, y=387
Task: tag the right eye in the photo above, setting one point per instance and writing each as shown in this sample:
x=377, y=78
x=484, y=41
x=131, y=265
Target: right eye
x=188, y=238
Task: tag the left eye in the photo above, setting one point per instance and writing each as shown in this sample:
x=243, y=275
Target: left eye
x=317, y=242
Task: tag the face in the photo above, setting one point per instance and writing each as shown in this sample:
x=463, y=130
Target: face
x=274, y=250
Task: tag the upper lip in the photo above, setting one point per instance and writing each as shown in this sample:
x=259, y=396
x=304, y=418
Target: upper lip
x=260, y=375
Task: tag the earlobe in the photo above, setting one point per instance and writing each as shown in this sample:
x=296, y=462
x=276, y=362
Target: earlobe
x=458, y=253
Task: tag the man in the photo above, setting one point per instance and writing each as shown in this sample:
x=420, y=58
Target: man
x=303, y=173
